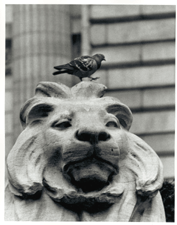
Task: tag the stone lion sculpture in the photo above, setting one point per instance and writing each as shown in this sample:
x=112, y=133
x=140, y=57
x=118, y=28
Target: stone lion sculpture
x=77, y=161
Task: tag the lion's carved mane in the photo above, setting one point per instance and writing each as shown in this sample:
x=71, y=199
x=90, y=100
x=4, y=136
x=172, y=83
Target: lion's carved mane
x=77, y=161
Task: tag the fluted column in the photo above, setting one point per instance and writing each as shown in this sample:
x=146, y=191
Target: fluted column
x=41, y=40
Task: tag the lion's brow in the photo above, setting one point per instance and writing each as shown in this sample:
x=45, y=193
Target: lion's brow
x=64, y=115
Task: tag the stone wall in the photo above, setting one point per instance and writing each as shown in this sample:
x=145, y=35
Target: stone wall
x=139, y=44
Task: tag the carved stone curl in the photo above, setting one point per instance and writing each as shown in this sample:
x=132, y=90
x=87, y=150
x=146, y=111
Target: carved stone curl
x=76, y=160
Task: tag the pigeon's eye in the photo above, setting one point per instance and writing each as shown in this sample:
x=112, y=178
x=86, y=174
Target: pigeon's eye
x=62, y=125
x=112, y=124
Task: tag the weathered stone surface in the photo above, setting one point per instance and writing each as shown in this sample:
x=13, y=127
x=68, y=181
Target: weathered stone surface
x=158, y=51
x=154, y=122
x=135, y=31
x=169, y=163
x=136, y=53
x=76, y=160
x=120, y=54
x=163, y=144
x=154, y=9
x=113, y=11
x=8, y=101
x=101, y=37
x=156, y=97
x=8, y=122
x=141, y=77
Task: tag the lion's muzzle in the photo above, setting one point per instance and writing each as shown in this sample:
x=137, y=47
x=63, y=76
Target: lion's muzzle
x=91, y=160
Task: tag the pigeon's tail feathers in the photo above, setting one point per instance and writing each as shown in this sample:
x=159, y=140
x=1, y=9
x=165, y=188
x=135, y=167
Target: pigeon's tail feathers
x=66, y=68
x=59, y=72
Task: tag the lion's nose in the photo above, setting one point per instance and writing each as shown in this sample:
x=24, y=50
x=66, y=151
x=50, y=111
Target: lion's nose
x=92, y=136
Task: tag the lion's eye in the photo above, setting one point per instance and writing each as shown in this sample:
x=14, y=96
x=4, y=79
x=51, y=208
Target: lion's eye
x=62, y=125
x=112, y=124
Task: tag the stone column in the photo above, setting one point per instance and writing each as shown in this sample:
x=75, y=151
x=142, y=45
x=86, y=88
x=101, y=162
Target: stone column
x=85, y=30
x=41, y=40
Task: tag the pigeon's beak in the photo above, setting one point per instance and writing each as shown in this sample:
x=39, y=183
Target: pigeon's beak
x=104, y=59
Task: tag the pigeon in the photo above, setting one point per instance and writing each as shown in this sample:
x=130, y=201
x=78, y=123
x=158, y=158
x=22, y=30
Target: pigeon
x=81, y=67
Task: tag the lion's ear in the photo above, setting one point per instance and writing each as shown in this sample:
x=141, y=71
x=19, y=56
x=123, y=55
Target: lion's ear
x=35, y=109
x=123, y=113
x=25, y=164
x=38, y=112
x=144, y=163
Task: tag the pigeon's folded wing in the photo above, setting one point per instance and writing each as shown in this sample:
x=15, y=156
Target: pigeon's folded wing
x=82, y=64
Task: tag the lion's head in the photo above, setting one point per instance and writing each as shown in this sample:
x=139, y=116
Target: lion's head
x=76, y=145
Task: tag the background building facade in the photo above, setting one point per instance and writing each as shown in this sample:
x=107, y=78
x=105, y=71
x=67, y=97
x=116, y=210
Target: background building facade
x=138, y=42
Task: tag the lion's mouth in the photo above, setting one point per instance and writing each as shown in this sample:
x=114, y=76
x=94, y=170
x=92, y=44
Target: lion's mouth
x=90, y=184
x=91, y=174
